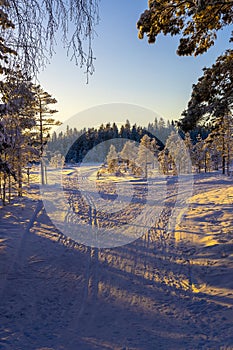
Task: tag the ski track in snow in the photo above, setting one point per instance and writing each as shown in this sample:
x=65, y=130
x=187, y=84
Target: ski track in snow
x=57, y=294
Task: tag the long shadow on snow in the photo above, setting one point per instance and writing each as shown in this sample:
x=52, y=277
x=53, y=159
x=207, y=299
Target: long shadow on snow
x=45, y=294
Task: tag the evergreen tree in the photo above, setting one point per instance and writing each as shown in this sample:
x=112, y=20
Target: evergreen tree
x=76, y=146
x=212, y=96
x=196, y=22
x=165, y=161
x=176, y=155
x=146, y=153
x=57, y=160
x=112, y=159
x=6, y=171
x=129, y=154
x=220, y=142
x=44, y=122
x=18, y=115
x=189, y=146
x=213, y=147
x=199, y=154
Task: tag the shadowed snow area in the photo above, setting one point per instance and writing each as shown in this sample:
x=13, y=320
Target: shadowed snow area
x=166, y=290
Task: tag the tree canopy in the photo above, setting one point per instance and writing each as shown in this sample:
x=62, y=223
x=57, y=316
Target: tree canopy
x=212, y=96
x=31, y=28
x=196, y=21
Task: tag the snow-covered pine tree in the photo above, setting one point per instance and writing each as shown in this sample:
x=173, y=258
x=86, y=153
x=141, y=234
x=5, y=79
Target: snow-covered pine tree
x=112, y=159
x=125, y=131
x=178, y=156
x=44, y=121
x=18, y=116
x=199, y=154
x=220, y=142
x=146, y=153
x=6, y=171
x=5, y=53
x=189, y=147
x=155, y=149
x=164, y=161
x=228, y=121
x=215, y=156
x=128, y=154
x=57, y=160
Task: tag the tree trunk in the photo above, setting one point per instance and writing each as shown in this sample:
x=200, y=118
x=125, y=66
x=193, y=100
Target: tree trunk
x=9, y=188
x=205, y=163
x=0, y=184
x=4, y=189
x=20, y=180
x=223, y=155
x=42, y=172
x=228, y=161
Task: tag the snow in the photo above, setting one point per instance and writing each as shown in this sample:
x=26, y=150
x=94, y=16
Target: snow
x=166, y=290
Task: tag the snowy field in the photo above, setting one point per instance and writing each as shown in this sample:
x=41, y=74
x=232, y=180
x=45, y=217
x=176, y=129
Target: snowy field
x=166, y=290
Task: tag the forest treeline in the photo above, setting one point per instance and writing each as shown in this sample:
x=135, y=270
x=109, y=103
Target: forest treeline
x=74, y=144
x=26, y=134
x=209, y=148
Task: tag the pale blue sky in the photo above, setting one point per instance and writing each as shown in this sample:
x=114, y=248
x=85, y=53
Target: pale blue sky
x=127, y=70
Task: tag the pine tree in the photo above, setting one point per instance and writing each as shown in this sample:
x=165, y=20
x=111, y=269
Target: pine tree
x=18, y=115
x=195, y=22
x=146, y=153
x=220, y=143
x=215, y=156
x=5, y=53
x=57, y=160
x=128, y=155
x=129, y=152
x=189, y=146
x=175, y=156
x=44, y=122
x=6, y=171
x=112, y=159
x=199, y=154
x=165, y=161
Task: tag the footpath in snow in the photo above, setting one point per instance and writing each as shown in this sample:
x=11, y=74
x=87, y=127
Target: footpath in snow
x=159, y=292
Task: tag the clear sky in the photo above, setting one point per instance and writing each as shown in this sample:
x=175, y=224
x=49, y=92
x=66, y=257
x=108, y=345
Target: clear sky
x=127, y=70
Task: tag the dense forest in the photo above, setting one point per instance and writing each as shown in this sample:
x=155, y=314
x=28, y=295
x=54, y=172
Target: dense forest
x=74, y=144
x=210, y=148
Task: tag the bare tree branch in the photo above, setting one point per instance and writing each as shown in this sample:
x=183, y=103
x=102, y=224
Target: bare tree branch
x=40, y=23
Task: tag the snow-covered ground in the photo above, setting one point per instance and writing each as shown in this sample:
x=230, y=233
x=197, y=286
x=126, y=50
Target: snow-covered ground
x=163, y=291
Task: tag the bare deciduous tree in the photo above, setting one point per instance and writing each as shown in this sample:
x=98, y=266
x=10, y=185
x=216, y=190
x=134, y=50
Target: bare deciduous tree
x=39, y=23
